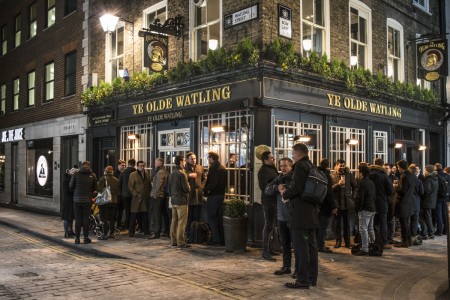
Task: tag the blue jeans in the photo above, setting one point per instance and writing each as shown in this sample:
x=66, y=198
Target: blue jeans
x=366, y=228
x=215, y=217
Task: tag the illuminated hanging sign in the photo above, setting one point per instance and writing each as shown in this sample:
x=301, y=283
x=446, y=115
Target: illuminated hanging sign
x=155, y=54
x=13, y=135
x=432, y=60
x=42, y=170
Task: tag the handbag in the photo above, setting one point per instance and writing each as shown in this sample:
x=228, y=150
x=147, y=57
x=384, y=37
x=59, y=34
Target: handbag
x=105, y=196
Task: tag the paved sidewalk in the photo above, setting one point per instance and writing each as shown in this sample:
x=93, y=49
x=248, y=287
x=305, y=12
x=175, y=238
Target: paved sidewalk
x=415, y=273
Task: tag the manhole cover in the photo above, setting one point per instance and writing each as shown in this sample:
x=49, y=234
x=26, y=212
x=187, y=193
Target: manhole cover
x=26, y=274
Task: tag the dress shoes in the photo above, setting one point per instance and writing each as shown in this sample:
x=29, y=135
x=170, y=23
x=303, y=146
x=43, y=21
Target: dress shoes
x=313, y=283
x=174, y=244
x=282, y=271
x=77, y=241
x=153, y=236
x=297, y=285
x=338, y=244
x=131, y=235
x=431, y=236
x=274, y=252
x=103, y=238
x=87, y=240
x=348, y=245
x=184, y=246
x=325, y=250
x=267, y=256
x=402, y=245
x=387, y=246
x=361, y=253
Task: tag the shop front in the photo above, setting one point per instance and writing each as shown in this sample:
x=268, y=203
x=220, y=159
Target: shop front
x=234, y=118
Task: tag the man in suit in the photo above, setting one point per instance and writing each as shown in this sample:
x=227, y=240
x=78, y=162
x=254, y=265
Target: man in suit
x=303, y=221
x=140, y=187
x=126, y=196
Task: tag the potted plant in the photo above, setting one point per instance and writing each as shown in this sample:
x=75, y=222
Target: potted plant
x=235, y=225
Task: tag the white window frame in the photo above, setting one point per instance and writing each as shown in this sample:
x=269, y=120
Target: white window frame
x=422, y=83
x=325, y=28
x=401, y=60
x=49, y=82
x=140, y=148
x=17, y=30
x=380, y=136
x=365, y=12
x=4, y=39
x=2, y=99
x=51, y=14
x=33, y=21
x=16, y=94
x=110, y=57
x=339, y=149
x=167, y=151
x=31, y=88
x=425, y=7
x=192, y=29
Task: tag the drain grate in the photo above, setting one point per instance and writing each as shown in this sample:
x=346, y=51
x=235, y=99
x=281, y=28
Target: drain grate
x=26, y=274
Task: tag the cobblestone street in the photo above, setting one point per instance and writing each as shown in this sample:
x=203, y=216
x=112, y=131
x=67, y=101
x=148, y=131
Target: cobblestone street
x=38, y=263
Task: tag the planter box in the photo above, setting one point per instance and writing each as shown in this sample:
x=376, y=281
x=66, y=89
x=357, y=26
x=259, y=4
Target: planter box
x=235, y=233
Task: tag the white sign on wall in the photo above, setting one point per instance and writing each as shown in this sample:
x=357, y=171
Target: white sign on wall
x=285, y=21
x=13, y=135
x=42, y=170
x=241, y=16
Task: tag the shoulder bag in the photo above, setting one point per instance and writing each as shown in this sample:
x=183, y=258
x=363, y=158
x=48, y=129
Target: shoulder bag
x=105, y=196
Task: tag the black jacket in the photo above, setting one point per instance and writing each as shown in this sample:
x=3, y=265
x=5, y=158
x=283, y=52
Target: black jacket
x=266, y=175
x=418, y=192
x=404, y=198
x=302, y=214
x=67, y=212
x=365, y=199
x=216, y=181
x=344, y=195
x=84, y=184
x=446, y=176
x=430, y=195
x=328, y=203
x=272, y=188
x=123, y=181
x=383, y=188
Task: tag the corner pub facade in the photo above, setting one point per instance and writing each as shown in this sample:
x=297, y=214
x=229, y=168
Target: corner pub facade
x=234, y=112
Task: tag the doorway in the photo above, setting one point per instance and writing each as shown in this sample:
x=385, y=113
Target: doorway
x=68, y=160
x=106, y=155
x=14, y=173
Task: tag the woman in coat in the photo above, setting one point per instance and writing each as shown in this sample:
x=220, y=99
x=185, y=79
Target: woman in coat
x=67, y=213
x=108, y=211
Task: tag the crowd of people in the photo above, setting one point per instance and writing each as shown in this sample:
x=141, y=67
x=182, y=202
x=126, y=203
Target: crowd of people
x=382, y=197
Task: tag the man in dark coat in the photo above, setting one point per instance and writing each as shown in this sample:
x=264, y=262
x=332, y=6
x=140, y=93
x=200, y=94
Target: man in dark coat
x=418, y=192
x=404, y=201
x=140, y=186
x=383, y=193
x=441, y=204
x=429, y=200
x=126, y=195
x=84, y=184
x=266, y=174
x=391, y=202
x=67, y=213
x=120, y=208
x=303, y=221
x=157, y=209
x=327, y=208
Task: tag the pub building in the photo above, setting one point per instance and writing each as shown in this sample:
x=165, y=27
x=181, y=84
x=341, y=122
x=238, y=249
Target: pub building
x=235, y=112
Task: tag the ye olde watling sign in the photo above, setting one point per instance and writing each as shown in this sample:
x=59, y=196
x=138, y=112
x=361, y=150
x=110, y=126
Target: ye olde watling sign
x=155, y=52
x=241, y=16
x=432, y=60
x=284, y=21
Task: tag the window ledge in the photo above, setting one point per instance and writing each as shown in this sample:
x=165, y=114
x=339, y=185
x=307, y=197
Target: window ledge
x=48, y=102
x=68, y=96
x=422, y=8
x=29, y=107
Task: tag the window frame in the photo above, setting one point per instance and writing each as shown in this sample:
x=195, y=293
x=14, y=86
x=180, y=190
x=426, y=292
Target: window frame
x=422, y=83
x=70, y=75
x=16, y=94
x=395, y=25
x=425, y=7
x=70, y=6
x=51, y=11
x=17, y=30
x=32, y=20
x=325, y=28
x=365, y=12
x=114, y=59
x=193, y=29
x=49, y=82
x=31, y=99
x=4, y=39
x=2, y=99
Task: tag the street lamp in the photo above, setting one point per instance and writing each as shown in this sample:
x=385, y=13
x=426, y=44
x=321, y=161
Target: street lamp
x=212, y=44
x=307, y=44
x=353, y=60
x=109, y=22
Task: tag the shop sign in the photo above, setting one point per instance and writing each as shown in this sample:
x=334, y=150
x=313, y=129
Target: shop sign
x=432, y=60
x=155, y=52
x=42, y=170
x=242, y=16
x=374, y=108
x=165, y=116
x=13, y=135
x=101, y=119
x=188, y=100
x=284, y=21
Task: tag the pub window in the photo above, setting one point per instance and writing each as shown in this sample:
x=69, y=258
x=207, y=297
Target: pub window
x=315, y=26
x=2, y=167
x=229, y=134
x=51, y=12
x=70, y=6
x=287, y=133
x=136, y=141
x=395, y=50
x=172, y=143
x=17, y=31
x=341, y=149
x=2, y=99
x=31, y=88
x=380, y=145
x=40, y=167
x=4, y=40
x=206, y=27
x=16, y=89
x=157, y=11
x=422, y=4
x=115, y=53
x=33, y=19
x=360, y=35
x=70, y=72
x=49, y=81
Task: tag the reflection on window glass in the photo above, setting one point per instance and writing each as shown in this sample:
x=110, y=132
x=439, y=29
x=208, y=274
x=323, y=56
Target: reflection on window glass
x=40, y=167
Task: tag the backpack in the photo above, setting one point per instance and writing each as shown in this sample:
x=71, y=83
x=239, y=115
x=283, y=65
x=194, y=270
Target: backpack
x=200, y=232
x=442, y=186
x=316, y=185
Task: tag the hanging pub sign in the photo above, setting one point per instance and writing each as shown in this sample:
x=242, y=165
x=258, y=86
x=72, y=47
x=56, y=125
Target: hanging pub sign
x=432, y=60
x=155, y=52
x=284, y=21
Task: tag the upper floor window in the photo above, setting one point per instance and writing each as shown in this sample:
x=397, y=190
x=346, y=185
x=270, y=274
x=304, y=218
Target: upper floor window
x=17, y=31
x=315, y=24
x=360, y=35
x=2, y=99
x=4, y=40
x=51, y=12
x=31, y=88
x=115, y=54
x=423, y=4
x=16, y=89
x=395, y=50
x=71, y=5
x=49, y=81
x=70, y=72
x=422, y=83
x=205, y=27
x=33, y=19
x=155, y=12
